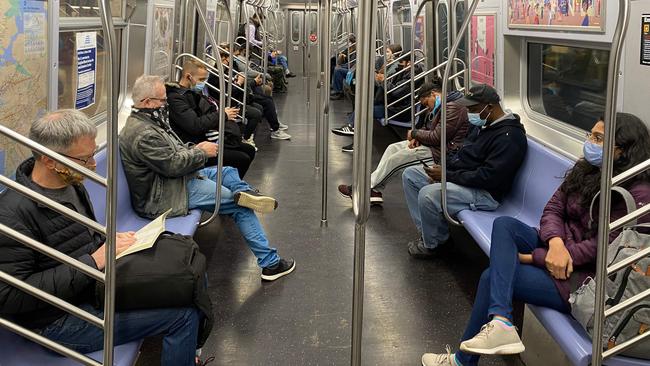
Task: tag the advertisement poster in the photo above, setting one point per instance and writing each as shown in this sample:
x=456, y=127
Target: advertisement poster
x=86, y=66
x=483, y=42
x=162, y=41
x=645, y=39
x=580, y=15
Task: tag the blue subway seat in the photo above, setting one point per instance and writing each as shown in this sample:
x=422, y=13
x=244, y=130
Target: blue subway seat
x=127, y=219
x=538, y=178
x=19, y=351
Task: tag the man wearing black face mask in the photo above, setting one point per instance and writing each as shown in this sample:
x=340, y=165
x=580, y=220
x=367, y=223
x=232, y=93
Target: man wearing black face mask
x=479, y=175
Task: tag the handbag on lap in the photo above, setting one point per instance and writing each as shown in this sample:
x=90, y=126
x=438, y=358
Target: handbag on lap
x=170, y=274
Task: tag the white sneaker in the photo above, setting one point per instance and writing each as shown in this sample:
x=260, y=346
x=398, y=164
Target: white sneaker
x=439, y=359
x=251, y=141
x=280, y=135
x=282, y=127
x=495, y=338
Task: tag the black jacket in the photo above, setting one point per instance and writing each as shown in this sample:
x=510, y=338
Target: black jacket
x=54, y=230
x=490, y=157
x=192, y=115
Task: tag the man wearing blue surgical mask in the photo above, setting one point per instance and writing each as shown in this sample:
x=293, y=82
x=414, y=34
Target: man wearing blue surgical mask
x=194, y=118
x=479, y=174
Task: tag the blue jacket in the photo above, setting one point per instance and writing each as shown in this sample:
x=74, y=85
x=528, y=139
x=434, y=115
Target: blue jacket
x=490, y=157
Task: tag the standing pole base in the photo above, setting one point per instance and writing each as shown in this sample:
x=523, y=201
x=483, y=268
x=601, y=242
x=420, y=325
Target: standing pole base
x=323, y=223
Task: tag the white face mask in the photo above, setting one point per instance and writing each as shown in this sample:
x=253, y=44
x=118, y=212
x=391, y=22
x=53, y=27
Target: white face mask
x=475, y=118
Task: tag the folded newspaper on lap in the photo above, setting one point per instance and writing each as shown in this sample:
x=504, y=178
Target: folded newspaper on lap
x=146, y=237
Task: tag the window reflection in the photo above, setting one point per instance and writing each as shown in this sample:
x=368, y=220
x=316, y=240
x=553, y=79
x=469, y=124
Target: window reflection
x=568, y=83
x=87, y=8
x=295, y=27
x=443, y=36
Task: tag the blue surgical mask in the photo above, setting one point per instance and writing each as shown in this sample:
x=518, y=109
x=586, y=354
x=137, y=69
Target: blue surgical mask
x=476, y=120
x=593, y=153
x=198, y=87
x=437, y=105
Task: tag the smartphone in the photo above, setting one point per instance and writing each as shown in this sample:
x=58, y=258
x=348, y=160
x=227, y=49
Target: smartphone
x=424, y=163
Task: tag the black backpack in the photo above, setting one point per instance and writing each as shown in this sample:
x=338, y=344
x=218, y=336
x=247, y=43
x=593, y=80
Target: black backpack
x=170, y=274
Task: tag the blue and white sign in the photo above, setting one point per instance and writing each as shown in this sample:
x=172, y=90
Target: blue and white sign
x=86, y=67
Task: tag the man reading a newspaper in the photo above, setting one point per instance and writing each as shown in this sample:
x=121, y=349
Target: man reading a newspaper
x=72, y=134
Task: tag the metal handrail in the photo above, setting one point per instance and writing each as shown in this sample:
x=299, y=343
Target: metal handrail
x=222, y=119
x=604, y=227
x=325, y=13
x=361, y=166
x=443, y=111
x=413, y=29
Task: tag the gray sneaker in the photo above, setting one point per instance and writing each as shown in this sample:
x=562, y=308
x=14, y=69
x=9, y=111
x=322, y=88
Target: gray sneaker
x=495, y=338
x=280, y=135
x=439, y=359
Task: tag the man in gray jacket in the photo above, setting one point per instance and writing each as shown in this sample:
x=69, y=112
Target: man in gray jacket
x=163, y=172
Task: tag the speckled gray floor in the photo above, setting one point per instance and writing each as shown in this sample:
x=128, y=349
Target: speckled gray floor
x=411, y=306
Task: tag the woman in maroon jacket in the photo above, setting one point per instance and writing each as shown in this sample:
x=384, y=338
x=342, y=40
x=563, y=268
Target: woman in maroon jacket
x=535, y=266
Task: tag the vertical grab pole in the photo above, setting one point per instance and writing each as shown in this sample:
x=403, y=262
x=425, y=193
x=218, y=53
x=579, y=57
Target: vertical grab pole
x=112, y=84
x=306, y=78
x=606, y=179
x=362, y=160
x=414, y=59
x=443, y=111
x=264, y=53
x=222, y=119
x=326, y=11
x=319, y=86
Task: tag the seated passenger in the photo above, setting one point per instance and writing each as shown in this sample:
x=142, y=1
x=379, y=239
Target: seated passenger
x=260, y=99
x=195, y=118
x=340, y=71
x=163, y=172
x=421, y=144
x=399, y=90
x=72, y=134
x=276, y=58
x=538, y=267
x=479, y=175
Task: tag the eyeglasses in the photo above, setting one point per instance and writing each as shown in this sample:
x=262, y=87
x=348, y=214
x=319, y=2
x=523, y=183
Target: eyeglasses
x=83, y=160
x=164, y=100
x=597, y=138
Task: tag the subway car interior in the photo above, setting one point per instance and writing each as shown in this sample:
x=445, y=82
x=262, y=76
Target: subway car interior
x=324, y=182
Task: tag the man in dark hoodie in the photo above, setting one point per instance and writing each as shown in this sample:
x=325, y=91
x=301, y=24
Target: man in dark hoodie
x=479, y=174
x=422, y=143
x=195, y=118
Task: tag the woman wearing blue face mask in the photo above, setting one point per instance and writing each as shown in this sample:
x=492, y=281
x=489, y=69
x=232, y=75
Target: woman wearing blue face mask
x=535, y=266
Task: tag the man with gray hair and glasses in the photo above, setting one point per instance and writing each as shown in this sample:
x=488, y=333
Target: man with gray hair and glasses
x=72, y=134
x=163, y=173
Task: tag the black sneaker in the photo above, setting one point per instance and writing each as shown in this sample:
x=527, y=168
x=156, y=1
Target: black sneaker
x=348, y=148
x=337, y=96
x=255, y=201
x=283, y=268
x=291, y=75
x=419, y=251
x=346, y=130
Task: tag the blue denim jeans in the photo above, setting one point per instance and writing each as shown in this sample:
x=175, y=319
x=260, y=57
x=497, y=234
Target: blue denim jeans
x=507, y=279
x=423, y=200
x=178, y=326
x=282, y=60
x=202, y=192
x=378, y=112
x=340, y=73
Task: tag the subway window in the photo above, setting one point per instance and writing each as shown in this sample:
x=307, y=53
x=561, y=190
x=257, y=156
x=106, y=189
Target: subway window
x=68, y=92
x=568, y=83
x=295, y=27
x=443, y=35
x=87, y=8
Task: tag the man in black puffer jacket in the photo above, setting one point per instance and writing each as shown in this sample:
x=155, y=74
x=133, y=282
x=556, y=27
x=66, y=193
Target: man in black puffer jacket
x=194, y=118
x=72, y=134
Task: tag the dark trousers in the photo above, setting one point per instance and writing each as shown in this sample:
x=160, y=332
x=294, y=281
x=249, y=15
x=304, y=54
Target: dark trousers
x=253, y=118
x=508, y=279
x=268, y=110
x=239, y=158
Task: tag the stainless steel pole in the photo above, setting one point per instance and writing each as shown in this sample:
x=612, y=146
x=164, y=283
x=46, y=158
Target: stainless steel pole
x=326, y=11
x=319, y=87
x=112, y=84
x=443, y=112
x=607, y=169
x=362, y=161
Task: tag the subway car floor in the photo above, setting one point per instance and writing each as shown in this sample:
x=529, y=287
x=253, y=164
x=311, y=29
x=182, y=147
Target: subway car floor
x=411, y=306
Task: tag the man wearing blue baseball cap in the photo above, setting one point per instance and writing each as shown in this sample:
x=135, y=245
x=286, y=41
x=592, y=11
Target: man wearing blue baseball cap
x=479, y=175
